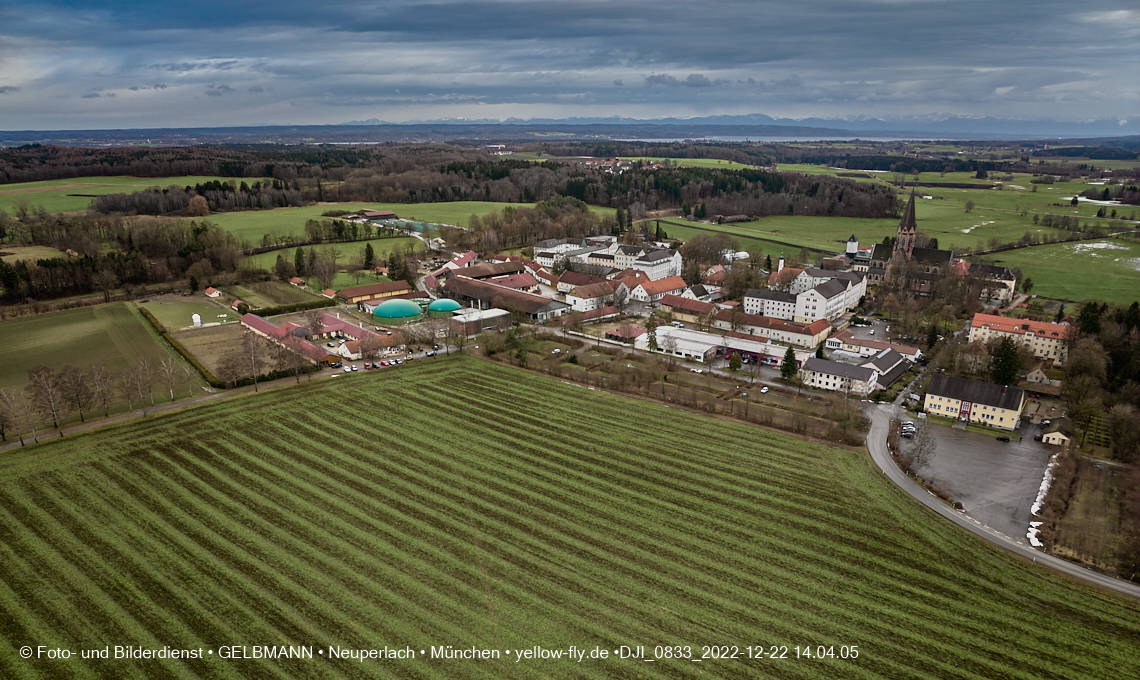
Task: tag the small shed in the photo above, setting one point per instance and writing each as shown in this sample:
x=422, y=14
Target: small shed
x=1058, y=433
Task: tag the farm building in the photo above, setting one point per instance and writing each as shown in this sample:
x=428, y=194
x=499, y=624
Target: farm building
x=625, y=333
x=296, y=281
x=375, y=290
x=213, y=292
x=687, y=309
x=592, y=296
x=489, y=294
x=682, y=343
x=470, y=322
x=377, y=215
x=291, y=335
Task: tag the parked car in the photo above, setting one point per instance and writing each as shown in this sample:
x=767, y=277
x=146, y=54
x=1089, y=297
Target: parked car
x=696, y=370
x=367, y=365
x=1002, y=438
x=907, y=433
x=431, y=354
x=556, y=351
x=348, y=369
x=355, y=367
x=1037, y=437
x=763, y=390
x=872, y=332
x=332, y=344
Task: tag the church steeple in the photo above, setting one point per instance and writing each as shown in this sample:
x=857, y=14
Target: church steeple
x=904, y=240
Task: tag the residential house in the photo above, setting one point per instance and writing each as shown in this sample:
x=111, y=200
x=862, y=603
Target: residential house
x=591, y=296
x=847, y=342
x=974, y=401
x=213, y=292
x=771, y=303
x=654, y=290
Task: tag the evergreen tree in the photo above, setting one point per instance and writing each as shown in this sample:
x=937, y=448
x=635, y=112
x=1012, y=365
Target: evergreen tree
x=788, y=368
x=819, y=352
x=651, y=334
x=684, y=209
x=768, y=262
x=1005, y=362
x=734, y=361
x=369, y=255
x=1088, y=321
x=620, y=217
x=193, y=284
x=932, y=336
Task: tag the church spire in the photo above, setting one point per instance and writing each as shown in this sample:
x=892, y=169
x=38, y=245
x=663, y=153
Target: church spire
x=904, y=241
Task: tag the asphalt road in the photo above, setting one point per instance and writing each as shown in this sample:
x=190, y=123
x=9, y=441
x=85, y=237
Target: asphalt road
x=877, y=446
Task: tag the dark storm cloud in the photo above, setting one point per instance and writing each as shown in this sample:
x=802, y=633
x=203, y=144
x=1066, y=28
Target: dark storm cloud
x=395, y=60
x=8, y=89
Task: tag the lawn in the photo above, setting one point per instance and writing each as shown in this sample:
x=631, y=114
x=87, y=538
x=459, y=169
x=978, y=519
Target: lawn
x=253, y=224
x=177, y=312
x=464, y=504
x=381, y=246
x=67, y=195
x=1106, y=270
x=114, y=334
x=271, y=294
x=694, y=162
x=10, y=253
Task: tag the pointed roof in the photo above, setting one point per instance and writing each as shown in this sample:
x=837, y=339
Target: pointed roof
x=909, y=222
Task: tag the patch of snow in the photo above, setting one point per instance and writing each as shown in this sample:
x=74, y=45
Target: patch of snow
x=1134, y=263
x=1082, y=199
x=983, y=224
x=1032, y=534
x=1098, y=245
x=1046, y=480
x=1097, y=183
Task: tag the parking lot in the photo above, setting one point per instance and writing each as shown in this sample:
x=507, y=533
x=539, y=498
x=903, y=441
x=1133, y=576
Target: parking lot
x=996, y=482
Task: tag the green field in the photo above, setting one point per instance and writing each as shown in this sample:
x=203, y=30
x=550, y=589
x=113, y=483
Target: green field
x=60, y=195
x=381, y=246
x=253, y=224
x=369, y=511
x=694, y=162
x=114, y=334
x=1106, y=270
x=177, y=313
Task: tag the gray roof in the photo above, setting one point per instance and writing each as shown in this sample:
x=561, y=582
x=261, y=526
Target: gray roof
x=768, y=294
x=882, y=252
x=976, y=392
x=843, y=370
x=631, y=250
x=699, y=290
x=656, y=256
x=831, y=288
x=885, y=360
x=932, y=257
x=553, y=243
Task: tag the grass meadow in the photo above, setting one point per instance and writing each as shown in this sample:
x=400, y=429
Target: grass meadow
x=382, y=247
x=69, y=195
x=114, y=334
x=465, y=504
x=1105, y=270
x=177, y=312
x=253, y=224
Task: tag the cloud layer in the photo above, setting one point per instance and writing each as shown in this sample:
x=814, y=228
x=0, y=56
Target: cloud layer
x=129, y=64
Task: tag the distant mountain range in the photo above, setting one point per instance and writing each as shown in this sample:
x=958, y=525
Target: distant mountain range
x=755, y=127
x=952, y=125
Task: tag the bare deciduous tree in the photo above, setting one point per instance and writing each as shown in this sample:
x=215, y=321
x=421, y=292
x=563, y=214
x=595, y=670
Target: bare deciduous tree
x=144, y=378
x=102, y=382
x=76, y=390
x=125, y=384
x=168, y=368
x=253, y=355
x=47, y=395
x=922, y=447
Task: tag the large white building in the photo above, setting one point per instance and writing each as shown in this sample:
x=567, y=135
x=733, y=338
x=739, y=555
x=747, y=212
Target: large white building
x=814, y=294
x=832, y=375
x=1046, y=340
x=659, y=264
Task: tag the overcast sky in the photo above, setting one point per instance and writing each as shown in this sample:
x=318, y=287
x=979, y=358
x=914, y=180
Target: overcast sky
x=123, y=64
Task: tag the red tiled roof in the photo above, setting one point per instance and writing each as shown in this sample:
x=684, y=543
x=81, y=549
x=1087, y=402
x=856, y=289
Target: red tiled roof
x=774, y=324
x=522, y=280
x=594, y=290
x=573, y=278
x=687, y=304
x=665, y=285
x=1020, y=326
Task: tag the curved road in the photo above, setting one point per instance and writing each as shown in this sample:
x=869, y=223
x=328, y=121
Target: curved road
x=877, y=446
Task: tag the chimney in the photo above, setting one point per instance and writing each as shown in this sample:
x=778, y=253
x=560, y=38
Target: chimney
x=780, y=268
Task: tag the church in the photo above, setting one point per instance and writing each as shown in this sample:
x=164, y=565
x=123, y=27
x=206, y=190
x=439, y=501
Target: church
x=929, y=264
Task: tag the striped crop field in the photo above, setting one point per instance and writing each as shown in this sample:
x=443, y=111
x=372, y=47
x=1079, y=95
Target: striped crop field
x=464, y=504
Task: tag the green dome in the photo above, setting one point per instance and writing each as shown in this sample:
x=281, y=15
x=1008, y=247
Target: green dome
x=444, y=305
x=397, y=309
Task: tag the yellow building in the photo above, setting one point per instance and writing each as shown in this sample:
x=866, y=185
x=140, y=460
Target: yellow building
x=997, y=406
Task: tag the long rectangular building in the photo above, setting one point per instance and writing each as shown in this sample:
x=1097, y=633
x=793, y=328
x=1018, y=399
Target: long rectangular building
x=974, y=401
x=1046, y=340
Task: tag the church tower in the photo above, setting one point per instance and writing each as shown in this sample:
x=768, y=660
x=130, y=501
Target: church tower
x=904, y=240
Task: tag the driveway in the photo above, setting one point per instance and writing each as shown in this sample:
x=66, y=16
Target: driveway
x=996, y=482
